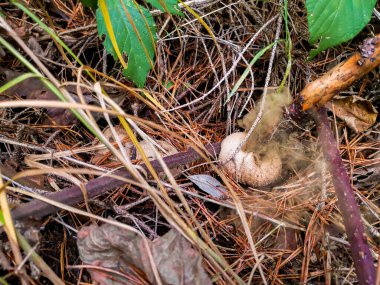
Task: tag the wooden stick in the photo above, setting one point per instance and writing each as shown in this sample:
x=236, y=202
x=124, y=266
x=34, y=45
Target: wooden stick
x=37, y=209
x=343, y=75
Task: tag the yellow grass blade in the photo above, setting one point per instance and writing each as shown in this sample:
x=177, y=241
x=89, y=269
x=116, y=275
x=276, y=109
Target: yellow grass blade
x=111, y=34
x=8, y=223
x=199, y=18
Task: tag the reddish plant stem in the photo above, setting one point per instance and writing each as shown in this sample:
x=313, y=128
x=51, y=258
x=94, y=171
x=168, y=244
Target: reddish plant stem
x=360, y=252
x=37, y=209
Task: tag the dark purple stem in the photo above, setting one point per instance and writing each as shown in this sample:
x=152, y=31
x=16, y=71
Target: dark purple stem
x=37, y=209
x=348, y=207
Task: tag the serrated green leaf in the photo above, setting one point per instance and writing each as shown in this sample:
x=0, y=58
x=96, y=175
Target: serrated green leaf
x=332, y=22
x=170, y=6
x=135, y=33
x=90, y=3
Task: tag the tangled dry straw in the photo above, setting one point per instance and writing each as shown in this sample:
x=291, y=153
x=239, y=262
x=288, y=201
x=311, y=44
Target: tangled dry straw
x=285, y=230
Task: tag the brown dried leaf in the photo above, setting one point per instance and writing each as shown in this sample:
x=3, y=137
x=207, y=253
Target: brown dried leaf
x=106, y=159
x=125, y=251
x=34, y=89
x=35, y=46
x=358, y=113
x=286, y=240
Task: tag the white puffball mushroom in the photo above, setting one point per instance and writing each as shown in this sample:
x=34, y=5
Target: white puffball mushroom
x=247, y=167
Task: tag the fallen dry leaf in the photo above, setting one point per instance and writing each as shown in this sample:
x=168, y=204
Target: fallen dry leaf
x=209, y=184
x=358, y=113
x=34, y=89
x=104, y=157
x=286, y=241
x=35, y=46
x=125, y=251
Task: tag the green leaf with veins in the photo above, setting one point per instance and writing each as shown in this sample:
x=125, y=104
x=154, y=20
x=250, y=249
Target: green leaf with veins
x=135, y=33
x=170, y=6
x=332, y=22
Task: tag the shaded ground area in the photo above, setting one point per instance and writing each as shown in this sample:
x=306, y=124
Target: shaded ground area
x=293, y=231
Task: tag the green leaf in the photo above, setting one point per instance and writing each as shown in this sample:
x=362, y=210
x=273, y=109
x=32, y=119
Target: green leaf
x=332, y=22
x=170, y=6
x=90, y=3
x=135, y=33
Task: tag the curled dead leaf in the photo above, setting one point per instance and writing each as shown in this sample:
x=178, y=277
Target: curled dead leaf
x=126, y=251
x=105, y=158
x=358, y=113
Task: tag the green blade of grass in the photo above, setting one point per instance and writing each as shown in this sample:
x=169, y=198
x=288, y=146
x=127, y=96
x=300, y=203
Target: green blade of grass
x=17, y=80
x=288, y=45
x=46, y=29
x=246, y=71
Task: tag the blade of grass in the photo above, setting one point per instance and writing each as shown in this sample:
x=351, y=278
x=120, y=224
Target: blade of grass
x=2, y=281
x=246, y=71
x=199, y=18
x=107, y=20
x=50, y=85
x=46, y=29
x=17, y=80
x=38, y=261
x=288, y=45
x=9, y=227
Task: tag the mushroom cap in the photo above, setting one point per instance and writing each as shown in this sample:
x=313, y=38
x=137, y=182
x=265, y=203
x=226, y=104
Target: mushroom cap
x=247, y=167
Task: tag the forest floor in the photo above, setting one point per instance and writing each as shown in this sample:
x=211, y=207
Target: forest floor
x=145, y=226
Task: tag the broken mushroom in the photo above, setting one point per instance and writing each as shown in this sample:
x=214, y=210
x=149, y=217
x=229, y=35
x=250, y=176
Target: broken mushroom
x=104, y=157
x=254, y=169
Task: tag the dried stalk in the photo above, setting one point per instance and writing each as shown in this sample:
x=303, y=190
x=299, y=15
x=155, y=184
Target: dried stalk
x=37, y=209
x=347, y=205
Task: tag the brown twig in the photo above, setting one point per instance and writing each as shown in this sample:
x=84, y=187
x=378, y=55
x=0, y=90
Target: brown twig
x=348, y=207
x=343, y=75
x=37, y=209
